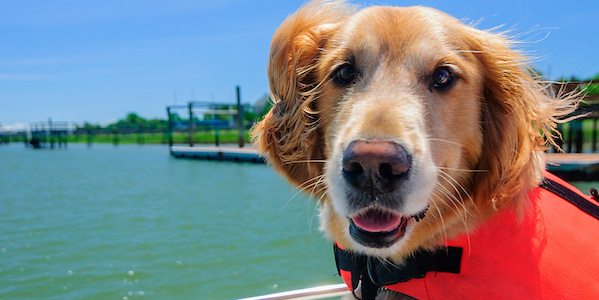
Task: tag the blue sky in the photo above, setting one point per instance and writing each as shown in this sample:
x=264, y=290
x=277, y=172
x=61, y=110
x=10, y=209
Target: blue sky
x=95, y=61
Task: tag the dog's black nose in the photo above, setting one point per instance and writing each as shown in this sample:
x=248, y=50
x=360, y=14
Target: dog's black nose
x=375, y=165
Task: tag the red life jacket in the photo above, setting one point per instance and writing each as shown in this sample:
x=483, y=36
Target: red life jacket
x=550, y=253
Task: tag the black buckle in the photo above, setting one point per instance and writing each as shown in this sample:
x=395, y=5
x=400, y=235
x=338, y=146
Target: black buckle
x=446, y=259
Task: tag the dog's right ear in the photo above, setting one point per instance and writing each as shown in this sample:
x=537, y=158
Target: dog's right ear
x=288, y=133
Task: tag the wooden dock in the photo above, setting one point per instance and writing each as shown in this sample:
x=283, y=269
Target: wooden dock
x=574, y=166
x=569, y=166
x=238, y=154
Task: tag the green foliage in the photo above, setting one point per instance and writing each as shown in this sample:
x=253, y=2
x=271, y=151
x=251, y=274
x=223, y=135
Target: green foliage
x=249, y=115
x=266, y=108
x=88, y=126
x=228, y=136
x=132, y=122
x=133, y=128
x=592, y=88
x=536, y=74
x=136, y=129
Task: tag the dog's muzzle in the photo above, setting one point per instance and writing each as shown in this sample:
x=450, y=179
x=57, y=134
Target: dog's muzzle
x=375, y=170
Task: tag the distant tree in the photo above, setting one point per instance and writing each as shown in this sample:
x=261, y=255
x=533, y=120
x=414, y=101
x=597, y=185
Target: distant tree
x=155, y=124
x=266, y=109
x=249, y=114
x=175, y=117
x=134, y=119
x=593, y=87
x=88, y=126
x=536, y=74
x=566, y=79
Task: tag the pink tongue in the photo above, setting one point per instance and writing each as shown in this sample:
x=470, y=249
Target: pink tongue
x=377, y=221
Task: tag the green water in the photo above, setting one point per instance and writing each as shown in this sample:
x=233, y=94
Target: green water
x=130, y=222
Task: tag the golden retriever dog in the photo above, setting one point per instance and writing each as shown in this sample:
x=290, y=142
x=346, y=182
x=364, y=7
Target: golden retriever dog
x=415, y=133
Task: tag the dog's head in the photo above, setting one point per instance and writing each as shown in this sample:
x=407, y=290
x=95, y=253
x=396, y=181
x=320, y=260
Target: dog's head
x=409, y=126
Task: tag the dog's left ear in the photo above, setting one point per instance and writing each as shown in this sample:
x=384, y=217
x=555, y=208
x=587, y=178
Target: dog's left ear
x=519, y=116
x=288, y=134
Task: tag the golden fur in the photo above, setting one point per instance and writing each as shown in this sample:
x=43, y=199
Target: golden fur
x=476, y=147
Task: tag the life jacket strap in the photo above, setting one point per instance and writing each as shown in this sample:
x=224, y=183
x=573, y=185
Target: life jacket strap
x=571, y=196
x=375, y=274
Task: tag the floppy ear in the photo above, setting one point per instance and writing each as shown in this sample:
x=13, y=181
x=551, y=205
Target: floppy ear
x=519, y=116
x=288, y=134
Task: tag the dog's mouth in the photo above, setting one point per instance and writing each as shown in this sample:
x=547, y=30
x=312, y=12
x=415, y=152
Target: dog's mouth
x=379, y=228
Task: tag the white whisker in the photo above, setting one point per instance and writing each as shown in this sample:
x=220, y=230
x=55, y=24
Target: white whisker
x=466, y=212
x=320, y=161
x=463, y=170
x=440, y=218
x=446, y=176
x=312, y=182
x=445, y=141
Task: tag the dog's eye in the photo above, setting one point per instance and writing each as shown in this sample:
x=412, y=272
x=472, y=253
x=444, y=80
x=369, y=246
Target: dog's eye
x=442, y=78
x=345, y=74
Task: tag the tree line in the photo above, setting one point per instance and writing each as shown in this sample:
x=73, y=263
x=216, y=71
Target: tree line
x=133, y=122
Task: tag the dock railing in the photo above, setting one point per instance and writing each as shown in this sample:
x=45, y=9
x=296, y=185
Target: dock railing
x=207, y=115
x=49, y=134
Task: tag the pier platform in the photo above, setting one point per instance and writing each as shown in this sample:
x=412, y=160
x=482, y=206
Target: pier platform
x=574, y=166
x=245, y=154
x=569, y=166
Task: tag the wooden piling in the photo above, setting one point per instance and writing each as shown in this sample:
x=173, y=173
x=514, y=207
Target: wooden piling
x=190, y=124
x=239, y=118
x=89, y=138
x=594, y=138
x=169, y=125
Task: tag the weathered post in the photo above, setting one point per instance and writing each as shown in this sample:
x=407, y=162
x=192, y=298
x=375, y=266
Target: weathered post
x=140, y=137
x=89, y=138
x=115, y=136
x=570, y=139
x=239, y=118
x=594, y=135
x=65, y=135
x=169, y=128
x=579, y=137
x=50, y=133
x=190, y=124
x=216, y=136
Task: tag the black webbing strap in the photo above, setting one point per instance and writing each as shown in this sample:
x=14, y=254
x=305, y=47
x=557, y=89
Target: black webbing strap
x=375, y=274
x=571, y=196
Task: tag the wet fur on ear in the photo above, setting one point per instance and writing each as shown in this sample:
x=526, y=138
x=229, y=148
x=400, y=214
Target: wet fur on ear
x=519, y=116
x=288, y=133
